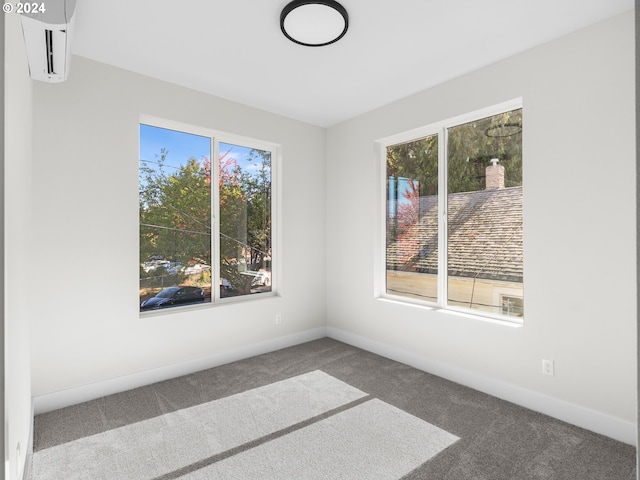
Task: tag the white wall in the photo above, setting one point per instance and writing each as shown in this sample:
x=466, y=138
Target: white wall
x=579, y=228
x=579, y=215
x=19, y=279
x=86, y=325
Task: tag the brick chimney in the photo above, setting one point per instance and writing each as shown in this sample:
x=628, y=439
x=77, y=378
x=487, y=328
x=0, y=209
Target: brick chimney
x=494, y=175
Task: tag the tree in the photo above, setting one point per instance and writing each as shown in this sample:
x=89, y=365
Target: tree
x=412, y=170
x=416, y=160
x=259, y=209
x=175, y=211
x=245, y=219
x=175, y=214
x=470, y=148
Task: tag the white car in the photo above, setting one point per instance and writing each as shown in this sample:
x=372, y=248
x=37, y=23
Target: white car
x=197, y=268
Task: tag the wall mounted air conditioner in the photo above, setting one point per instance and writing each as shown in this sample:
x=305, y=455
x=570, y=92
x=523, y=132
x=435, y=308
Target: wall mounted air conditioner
x=47, y=36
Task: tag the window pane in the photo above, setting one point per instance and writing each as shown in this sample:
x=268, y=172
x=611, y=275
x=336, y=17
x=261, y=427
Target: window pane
x=484, y=204
x=245, y=220
x=412, y=219
x=175, y=218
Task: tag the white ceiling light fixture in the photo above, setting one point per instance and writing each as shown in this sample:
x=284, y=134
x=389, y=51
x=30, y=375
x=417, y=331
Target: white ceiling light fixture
x=314, y=23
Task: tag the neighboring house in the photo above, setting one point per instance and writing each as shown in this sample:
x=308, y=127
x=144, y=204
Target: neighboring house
x=485, y=250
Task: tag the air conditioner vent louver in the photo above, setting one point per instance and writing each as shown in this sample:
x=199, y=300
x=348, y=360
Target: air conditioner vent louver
x=48, y=40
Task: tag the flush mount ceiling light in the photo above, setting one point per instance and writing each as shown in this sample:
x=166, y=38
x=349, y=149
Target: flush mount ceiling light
x=314, y=23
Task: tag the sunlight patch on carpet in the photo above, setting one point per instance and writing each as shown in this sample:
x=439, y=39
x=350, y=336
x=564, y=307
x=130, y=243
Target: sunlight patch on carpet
x=371, y=441
x=263, y=430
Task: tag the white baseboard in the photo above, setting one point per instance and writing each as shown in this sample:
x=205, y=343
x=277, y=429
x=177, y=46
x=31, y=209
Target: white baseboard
x=595, y=421
x=84, y=393
x=580, y=416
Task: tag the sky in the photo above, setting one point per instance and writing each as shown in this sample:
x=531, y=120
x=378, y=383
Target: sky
x=399, y=187
x=183, y=146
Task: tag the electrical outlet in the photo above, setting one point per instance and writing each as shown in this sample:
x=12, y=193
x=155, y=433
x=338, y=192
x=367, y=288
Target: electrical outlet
x=278, y=318
x=547, y=367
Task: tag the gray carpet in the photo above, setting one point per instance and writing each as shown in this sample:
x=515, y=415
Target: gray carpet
x=271, y=428
x=321, y=410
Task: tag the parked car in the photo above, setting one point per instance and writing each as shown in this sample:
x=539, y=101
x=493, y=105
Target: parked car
x=173, y=296
x=195, y=269
x=262, y=279
x=173, y=268
x=155, y=264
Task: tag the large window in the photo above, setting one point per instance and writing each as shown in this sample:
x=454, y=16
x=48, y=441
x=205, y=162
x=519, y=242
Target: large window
x=205, y=226
x=453, y=196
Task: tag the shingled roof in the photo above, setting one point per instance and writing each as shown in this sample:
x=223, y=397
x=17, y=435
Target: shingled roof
x=485, y=236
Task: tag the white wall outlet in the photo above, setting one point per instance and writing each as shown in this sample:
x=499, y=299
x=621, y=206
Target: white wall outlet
x=278, y=318
x=547, y=367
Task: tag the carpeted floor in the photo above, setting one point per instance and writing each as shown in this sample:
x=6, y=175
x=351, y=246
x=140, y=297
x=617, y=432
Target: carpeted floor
x=318, y=410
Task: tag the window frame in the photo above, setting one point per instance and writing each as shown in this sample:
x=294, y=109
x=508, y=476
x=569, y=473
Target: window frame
x=216, y=137
x=439, y=128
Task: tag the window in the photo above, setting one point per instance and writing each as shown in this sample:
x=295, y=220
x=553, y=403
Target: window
x=513, y=306
x=205, y=227
x=453, y=223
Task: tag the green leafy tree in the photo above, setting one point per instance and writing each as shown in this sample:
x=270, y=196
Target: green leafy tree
x=471, y=146
x=245, y=219
x=416, y=161
x=175, y=211
x=412, y=167
x=259, y=209
x=175, y=215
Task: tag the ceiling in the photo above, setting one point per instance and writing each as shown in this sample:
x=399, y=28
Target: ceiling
x=234, y=48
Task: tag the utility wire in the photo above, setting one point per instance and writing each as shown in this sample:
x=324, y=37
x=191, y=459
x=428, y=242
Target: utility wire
x=204, y=233
x=175, y=229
